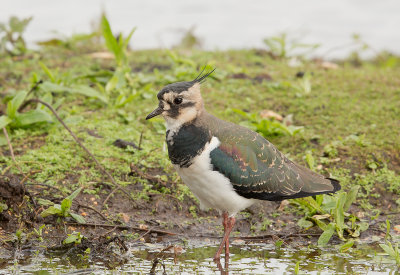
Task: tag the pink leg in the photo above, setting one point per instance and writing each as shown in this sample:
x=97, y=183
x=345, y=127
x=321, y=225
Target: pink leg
x=228, y=223
x=225, y=218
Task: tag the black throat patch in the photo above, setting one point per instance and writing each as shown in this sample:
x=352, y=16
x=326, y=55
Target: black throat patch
x=187, y=143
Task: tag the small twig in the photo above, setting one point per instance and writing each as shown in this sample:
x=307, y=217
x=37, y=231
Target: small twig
x=11, y=149
x=166, y=195
x=261, y=237
x=389, y=213
x=109, y=195
x=101, y=167
x=141, y=236
x=47, y=185
x=93, y=209
x=5, y=170
x=165, y=249
x=25, y=178
x=26, y=103
x=150, y=178
x=124, y=227
x=140, y=140
x=75, y=138
x=105, y=234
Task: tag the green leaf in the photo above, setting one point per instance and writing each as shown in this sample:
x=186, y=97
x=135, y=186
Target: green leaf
x=350, y=197
x=278, y=244
x=14, y=104
x=4, y=121
x=364, y=226
x=44, y=202
x=297, y=268
x=52, y=210
x=117, y=81
x=242, y=113
x=346, y=246
x=78, y=89
x=75, y=237
x=310, y=160
x=326, y=235
x=338, y=212
x=388, y=248
x=89, y=92
x=47, y=71
x=303, y=222
x=320, y=224
x=357, y=227
x=314, y=205
x=31, y=117
x=3, y=207
x=319, y=199
x=111, y=41
x=3, y=141
x=66, y=206
x=78, y=218
x=53, y=88
x=128, y=38
x=328, y=202
x=18, y=25
x=387, y=229
x=74, y=194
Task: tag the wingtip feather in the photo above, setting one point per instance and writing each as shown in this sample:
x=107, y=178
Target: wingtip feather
x=336, y=185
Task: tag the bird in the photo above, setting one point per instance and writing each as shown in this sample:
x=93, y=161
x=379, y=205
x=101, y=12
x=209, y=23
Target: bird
x=228, y=167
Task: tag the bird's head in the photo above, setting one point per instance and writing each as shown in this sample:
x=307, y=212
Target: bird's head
x=180, y=102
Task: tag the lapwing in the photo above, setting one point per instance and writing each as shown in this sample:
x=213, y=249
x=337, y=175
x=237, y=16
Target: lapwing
x=228, y=167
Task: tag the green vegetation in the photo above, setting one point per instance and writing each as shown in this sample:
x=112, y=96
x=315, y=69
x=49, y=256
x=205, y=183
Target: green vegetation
x=74, y=237
x=349, y=119
x=284, y=46
x=62, y=210
x=11, y=39
x=330, y=214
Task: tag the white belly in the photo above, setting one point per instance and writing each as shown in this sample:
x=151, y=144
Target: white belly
x=213, y=189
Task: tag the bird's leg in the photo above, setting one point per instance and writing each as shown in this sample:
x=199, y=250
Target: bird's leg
x=225, y=220
x=230, y=223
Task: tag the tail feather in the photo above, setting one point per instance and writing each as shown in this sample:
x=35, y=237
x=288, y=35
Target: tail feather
x=279, y=197
x=335, y=184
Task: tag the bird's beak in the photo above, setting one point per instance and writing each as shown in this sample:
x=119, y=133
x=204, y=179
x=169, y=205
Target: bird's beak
x=156, y=112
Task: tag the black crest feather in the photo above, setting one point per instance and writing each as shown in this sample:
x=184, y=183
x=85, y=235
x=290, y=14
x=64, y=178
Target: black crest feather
x=179, y=87
x=202, y=77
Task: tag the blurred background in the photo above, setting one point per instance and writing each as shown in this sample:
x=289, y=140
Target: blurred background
x=338, y=27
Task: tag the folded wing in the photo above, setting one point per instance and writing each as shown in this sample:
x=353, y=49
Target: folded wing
x=258, y=170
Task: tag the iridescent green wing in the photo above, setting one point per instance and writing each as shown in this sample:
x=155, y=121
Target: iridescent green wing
x=258, y=170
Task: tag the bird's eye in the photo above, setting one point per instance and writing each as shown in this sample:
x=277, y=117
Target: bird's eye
x=178, y=100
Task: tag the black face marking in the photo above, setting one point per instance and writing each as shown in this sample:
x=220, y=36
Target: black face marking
x=186, y=144
x=174, y=110
x=187, y=104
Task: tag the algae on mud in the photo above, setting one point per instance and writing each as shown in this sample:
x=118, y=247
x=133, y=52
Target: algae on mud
x=350, y=118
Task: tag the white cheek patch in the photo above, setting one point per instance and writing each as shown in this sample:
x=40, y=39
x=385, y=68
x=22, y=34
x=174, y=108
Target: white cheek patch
x=166, y=106
x=187, y=114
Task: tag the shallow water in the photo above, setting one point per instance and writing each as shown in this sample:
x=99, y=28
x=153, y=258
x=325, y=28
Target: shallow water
x=257, y=258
